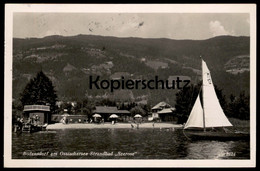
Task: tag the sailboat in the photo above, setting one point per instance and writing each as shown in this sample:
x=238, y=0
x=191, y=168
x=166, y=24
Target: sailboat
x=207, y=120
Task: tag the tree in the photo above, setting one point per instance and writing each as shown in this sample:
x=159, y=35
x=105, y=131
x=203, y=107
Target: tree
x=185, y=99
x=39, y=91
x=239, y=106
x=17, y=109
x=137, y=110
x=84, y=107
x=106, y=102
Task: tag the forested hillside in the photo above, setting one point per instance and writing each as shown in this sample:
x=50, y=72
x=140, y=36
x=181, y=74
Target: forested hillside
x=69, y=61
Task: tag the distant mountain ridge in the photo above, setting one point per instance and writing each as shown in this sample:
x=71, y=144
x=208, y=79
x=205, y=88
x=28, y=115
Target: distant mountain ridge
x=69, y=61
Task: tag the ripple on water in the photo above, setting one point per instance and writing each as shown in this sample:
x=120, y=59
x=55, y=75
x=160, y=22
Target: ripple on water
x=147, y=143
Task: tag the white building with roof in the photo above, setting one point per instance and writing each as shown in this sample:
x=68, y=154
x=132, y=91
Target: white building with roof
x=164, y=112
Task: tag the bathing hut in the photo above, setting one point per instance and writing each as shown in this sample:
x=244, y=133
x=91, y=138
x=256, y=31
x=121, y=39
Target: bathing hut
x=40, y=112
x=164, y=112
x=107, y=111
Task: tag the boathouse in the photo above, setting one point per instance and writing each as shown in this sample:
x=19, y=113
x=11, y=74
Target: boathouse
x=41, y=112
x=107, y=111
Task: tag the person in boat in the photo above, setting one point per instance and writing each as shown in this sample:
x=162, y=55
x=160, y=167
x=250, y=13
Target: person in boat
x=18, y=125
x=21, y=120
x=35, y=120
x=29, y=121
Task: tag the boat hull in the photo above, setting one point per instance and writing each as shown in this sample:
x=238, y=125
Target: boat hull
x=200, y=135
x=33, y=128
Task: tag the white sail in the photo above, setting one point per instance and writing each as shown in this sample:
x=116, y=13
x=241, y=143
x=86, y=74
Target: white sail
x=196, y=116
x=214, y=115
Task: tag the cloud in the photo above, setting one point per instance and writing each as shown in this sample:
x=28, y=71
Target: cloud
x=217, y=29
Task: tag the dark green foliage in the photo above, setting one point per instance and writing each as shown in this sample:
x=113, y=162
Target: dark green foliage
x=39, y=91
x=239, y=106
x=106, y=102
x=84, y=107
x=17, y=109
x=68, y=107
x=79, y=107
x=126, y=54
x=137, y=110
x=126, y=105
x=185, y=100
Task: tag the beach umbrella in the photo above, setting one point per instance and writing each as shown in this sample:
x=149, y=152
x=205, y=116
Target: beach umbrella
x=96, y=115
x=113, y=116
x=65, y=114
x=137, y=116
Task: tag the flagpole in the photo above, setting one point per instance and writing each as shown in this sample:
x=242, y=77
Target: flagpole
x=204, y=127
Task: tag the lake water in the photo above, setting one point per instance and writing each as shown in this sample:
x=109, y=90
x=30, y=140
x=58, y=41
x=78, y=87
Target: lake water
x=122, y=144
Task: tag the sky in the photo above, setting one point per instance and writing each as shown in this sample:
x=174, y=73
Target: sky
x=196, y=26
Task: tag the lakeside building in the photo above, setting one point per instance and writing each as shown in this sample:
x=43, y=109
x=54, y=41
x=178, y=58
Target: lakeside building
x=168, y=115
x=107, y=111
x=77, y=118
x=69, y=118
x=41, y=112
x=164, y=112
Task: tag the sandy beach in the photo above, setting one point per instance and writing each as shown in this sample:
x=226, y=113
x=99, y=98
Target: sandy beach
x=109, y=125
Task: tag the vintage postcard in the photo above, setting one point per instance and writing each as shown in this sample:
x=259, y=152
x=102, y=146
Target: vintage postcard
x=130, y=85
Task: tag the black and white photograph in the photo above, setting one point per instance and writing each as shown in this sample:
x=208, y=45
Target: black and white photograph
x=130, y=85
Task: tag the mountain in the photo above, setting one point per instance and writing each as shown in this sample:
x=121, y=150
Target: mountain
x=69, y=61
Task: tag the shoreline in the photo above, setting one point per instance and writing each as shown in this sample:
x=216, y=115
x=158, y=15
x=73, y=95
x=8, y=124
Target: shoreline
x=109, y=125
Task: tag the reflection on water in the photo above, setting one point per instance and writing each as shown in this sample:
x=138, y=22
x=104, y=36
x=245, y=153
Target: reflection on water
x=122, y=144
x=210, y=150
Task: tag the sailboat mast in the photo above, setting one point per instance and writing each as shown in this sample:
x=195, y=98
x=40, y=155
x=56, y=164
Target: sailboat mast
x=209, y=112
x=204, y=126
